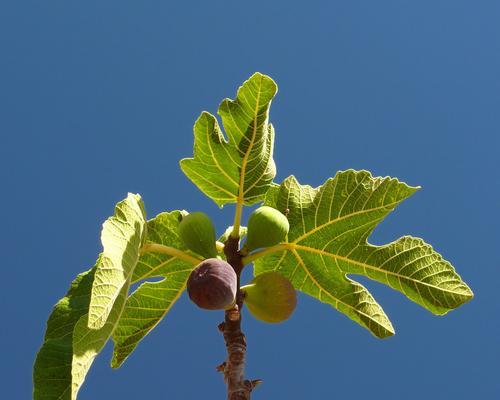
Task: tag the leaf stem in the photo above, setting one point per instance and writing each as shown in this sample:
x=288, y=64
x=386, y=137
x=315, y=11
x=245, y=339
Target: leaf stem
x=269, y=250
x=235, y=233
x=171, y=251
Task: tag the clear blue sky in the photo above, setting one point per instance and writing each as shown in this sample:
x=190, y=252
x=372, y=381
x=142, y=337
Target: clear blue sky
x=98, y=98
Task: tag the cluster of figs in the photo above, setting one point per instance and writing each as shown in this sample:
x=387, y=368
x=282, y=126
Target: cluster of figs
x=213, y=284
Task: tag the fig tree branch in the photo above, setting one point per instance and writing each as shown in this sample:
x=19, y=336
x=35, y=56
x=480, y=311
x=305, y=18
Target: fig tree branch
x=238, y=388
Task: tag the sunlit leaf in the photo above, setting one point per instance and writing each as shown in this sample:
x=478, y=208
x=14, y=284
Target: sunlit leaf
x=329, y=228
x=150, y=303
x=122, y=237
x=52, y=371
x=238, y=169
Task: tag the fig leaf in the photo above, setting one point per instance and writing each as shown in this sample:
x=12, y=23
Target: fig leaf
x=328, y=240
x=240, y=169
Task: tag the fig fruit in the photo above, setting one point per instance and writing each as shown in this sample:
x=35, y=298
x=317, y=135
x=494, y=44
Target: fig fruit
x=212, y=285
x=197, y=232
x=266, y=227
x=270, y=297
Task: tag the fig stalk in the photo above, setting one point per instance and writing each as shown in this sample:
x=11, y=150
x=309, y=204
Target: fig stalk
x=238, y=388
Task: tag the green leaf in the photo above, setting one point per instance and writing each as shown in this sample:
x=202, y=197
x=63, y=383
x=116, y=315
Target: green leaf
x=149, y=304
x=162, y=229
x=241, y=169
x=69, y=346
x=122, y=237
x=145, y=308
x=87, y=342
x=52, y=371
x=329, y=228
x=83, y=321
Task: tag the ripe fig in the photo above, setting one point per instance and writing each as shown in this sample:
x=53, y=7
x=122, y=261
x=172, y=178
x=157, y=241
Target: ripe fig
x=212, y=285
x=270, y=297
x=266, y=227
x=197, y=232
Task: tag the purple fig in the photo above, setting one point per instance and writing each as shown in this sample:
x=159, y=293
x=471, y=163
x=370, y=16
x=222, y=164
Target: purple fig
x=212, y=285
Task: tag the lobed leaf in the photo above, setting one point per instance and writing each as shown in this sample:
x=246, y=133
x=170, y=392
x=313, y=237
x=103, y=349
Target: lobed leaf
x=240, y=169
x=72, y=342
x=69, y=346
x=329, y=228
x=52, y=376
x=87, y=342
x=122, y=237
x=162, y=229
x=145, y=308
x=331, y=287
x=149, y=304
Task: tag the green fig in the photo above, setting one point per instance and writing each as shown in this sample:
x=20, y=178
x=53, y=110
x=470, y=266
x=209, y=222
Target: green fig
x=266, y=227
x=270, y=297
x=212, y=285
x=197, y=232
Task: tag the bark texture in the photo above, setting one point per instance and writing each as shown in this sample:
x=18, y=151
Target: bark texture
x=238, y=388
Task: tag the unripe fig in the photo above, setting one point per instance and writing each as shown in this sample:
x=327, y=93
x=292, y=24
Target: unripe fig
x=270, y=297
x=197, y=232
x=212, y=285
x=266, y=227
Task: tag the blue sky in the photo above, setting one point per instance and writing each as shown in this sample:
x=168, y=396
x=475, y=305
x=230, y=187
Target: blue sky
x=98, y=98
